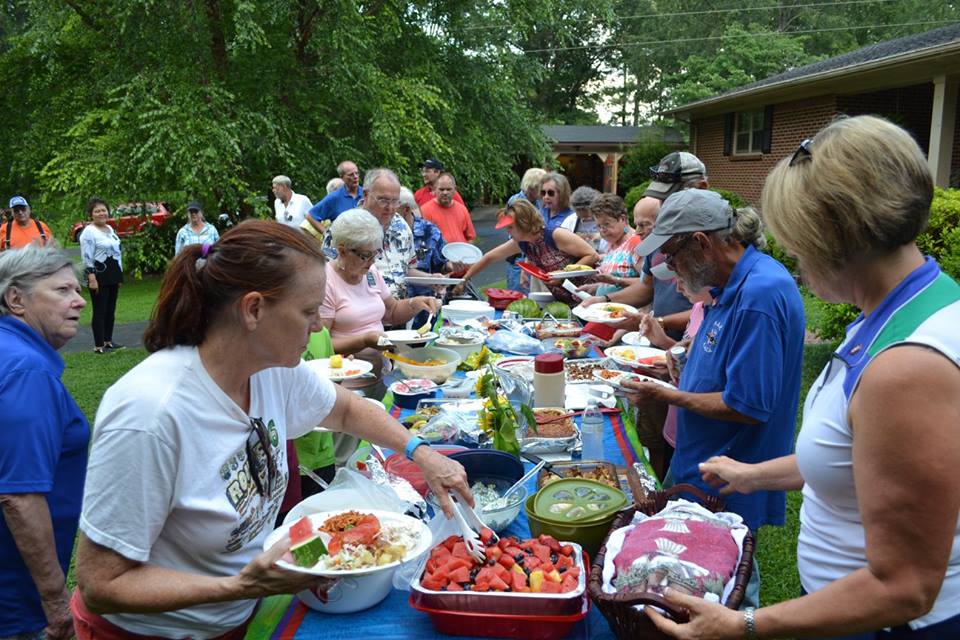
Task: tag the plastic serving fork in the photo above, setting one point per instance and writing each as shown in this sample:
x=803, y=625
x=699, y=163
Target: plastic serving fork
x=471, y=539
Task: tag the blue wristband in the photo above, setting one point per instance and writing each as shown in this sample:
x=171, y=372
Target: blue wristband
x=412, y=445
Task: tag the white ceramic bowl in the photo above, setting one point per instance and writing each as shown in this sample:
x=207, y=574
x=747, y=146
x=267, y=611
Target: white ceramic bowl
x=438, y=373
x=459, y=315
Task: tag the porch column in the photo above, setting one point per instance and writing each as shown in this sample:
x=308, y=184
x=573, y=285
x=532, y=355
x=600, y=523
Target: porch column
x=611, y=165
x=942, y=126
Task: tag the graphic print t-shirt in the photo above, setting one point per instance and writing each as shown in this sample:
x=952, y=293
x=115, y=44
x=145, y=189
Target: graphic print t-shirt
x=169, y=481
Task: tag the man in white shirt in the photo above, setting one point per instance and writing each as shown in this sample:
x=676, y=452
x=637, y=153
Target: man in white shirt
x=289, y=207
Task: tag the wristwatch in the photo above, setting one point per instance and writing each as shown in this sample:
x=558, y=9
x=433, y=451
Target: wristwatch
x=412, y=445
x=748, y=621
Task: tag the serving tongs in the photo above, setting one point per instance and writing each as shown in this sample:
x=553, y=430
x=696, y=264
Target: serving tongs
x=403, y=359
x=470, y=527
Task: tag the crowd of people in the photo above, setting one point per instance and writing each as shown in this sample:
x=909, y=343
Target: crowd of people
x=170, y=542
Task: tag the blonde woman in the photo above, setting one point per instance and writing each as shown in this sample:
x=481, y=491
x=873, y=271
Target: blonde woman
x=876, y=458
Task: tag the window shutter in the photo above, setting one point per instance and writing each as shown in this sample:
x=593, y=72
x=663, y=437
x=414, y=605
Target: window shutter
x=728, y=133
x=767, y=129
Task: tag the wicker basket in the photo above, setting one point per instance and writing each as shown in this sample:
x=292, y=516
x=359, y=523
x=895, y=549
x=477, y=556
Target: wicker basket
x=618, y=609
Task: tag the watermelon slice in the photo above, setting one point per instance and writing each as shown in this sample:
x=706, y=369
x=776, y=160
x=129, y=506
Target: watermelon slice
x=308, y=553
x=301, y=531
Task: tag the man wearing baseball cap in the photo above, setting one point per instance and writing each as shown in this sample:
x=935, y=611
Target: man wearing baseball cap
x=430, y=170
x=676, y=171
x=740, y=386
x=23, y=229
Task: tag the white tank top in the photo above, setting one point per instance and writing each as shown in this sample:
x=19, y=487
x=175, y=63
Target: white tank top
x=925, y=310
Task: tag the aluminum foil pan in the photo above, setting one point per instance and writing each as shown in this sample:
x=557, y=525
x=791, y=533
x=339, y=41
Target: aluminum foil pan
x=507, y=603
x=569, y=444
x=416, y=505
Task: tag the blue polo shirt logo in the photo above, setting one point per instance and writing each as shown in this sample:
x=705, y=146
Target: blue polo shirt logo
x=712, y=335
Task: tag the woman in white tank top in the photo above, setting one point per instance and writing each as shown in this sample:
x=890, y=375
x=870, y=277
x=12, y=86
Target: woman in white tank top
x=879, y=449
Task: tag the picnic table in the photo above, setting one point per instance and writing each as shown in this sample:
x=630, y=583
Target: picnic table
x=284, y=617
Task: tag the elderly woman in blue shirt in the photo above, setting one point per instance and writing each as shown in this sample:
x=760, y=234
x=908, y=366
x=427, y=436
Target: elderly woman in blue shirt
x=43, y=442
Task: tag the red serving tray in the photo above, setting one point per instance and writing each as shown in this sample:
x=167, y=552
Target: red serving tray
x=535, y=271
x=492, y=625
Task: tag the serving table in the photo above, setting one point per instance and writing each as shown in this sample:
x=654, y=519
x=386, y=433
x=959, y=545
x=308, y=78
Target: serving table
x=284, y=617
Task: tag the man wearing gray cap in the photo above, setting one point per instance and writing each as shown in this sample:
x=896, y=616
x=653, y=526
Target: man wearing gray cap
x=740, y=386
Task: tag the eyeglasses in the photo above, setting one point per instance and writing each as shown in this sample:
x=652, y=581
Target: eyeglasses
x=802, y=152
x=260, y=431
x=548, y=192
x=604, y=226
x=669, y=258
x=644, y=224
x=670, y=177
x=366, y=256
x=383, y=202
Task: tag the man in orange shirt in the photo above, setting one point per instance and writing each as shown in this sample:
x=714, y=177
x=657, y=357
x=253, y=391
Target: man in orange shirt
x=430, y=171
x=450, y=216
x=23, y=229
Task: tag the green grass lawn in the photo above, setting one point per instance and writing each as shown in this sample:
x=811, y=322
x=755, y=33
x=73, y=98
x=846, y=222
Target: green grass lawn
x=134, y=303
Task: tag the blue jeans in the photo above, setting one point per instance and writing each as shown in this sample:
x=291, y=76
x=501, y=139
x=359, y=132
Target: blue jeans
x=513, y=277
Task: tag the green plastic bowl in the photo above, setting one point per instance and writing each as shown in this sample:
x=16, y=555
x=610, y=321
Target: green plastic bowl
x=593, y=501
x=589, y=536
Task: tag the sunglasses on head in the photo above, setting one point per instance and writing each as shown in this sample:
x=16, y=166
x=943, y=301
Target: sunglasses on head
x=670, y=177
x=803, y=152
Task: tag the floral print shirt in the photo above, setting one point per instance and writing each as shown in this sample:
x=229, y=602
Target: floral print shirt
x=621, y=261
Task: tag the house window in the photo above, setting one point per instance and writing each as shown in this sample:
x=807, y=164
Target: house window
x=749, y=133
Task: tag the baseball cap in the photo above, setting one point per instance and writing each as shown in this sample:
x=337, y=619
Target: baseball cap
x=674, y=168
x=195, y=204
x=18, y=201
x=685, y=212
x=431, y=163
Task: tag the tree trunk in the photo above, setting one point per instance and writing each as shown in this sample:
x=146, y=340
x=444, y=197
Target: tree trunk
x=218, y=40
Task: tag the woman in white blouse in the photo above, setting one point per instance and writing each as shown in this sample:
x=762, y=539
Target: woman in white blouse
x=197, y=230
x=100, y=252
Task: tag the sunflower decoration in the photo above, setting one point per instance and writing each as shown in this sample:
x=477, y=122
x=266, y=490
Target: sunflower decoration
x=498, y=418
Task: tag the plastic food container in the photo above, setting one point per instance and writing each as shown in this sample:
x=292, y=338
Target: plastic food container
x=500, y=299
x=577, y=501
x=508, y=603
x=590, y=536
x=589, y=470
x=496, y=519
x=438, y=373
x=408, y=393
x=458, y=313
x=527, y=627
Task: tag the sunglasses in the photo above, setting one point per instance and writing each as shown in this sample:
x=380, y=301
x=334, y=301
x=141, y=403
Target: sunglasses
x=802, y=152
x=260, y=431
x=366, y=256
x=548, y=192
x=669, y=177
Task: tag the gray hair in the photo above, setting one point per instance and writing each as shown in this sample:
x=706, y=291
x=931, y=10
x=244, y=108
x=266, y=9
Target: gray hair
x=532, y=178
x=355, y=229
x=375, y=174
x=748, y=228
x=284, y=180
x=23, y=268
x=583, y=197
x=333, y=184
x=407, y=199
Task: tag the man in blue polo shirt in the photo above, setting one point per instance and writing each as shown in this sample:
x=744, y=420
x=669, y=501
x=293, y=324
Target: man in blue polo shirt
x=333, y=204
x=740, y=387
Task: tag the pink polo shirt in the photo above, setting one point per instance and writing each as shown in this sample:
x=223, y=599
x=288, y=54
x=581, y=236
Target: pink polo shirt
x=355, y=308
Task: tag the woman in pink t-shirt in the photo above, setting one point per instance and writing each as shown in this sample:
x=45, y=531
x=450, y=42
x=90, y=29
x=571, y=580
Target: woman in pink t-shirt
x=357, y=301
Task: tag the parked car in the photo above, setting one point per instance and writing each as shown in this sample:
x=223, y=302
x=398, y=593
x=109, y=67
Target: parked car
x=129, y=219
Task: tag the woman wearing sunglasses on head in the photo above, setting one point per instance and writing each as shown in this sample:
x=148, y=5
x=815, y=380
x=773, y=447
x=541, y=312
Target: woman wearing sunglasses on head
x=188, y=464
x=878, y=451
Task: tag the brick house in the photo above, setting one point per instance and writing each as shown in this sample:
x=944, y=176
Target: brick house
x=741, y=134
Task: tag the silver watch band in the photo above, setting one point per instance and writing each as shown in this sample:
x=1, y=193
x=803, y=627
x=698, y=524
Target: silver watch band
x=749, y=623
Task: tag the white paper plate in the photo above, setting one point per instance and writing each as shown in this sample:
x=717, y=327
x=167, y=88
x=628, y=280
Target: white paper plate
x=522, y=364
x=461, y=252
x=622, y=376
x=600, y=312
x=424, y=541
x=634, y=339
x=351, y=368
x=409, y=336
x=564, y=275
x=426, y=281
x=631, y=356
